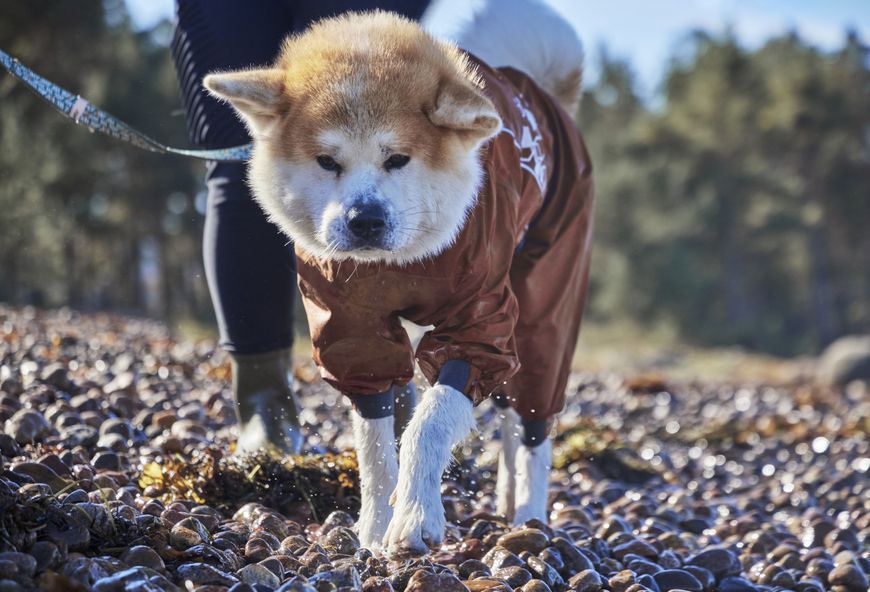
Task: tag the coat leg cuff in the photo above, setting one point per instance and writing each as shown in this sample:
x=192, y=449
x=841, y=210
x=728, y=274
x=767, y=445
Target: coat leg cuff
x=454, y=374
x=534, y=432
x=374, y=406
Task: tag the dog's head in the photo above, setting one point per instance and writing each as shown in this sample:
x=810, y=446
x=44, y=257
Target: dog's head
x=366, y=137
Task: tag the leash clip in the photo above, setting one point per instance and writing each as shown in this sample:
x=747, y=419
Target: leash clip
x=78, y=108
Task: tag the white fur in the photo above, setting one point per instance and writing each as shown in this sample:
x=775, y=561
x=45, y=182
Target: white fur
x=427, y=207
x=378, y=474
x=505, y=485
x=442, y=419
x=533, y=472
x=525, y=34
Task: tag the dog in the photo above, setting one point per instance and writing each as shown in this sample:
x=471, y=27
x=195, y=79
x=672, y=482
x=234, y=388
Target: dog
x=443, y=186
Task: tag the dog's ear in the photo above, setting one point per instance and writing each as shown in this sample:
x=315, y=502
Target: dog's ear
x=463, y=107
x=255, y=94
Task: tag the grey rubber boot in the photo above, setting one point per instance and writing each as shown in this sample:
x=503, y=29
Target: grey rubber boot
x=265, y=406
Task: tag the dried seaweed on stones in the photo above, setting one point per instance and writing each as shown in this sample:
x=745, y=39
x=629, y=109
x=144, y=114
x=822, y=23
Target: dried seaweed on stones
x=317, y=483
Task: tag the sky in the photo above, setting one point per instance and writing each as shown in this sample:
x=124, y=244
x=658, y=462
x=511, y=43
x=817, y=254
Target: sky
x=648, y=32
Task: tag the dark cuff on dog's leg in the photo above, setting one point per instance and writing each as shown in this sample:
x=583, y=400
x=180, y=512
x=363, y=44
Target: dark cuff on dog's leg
x=374, y=406
x=500, y=400
x=455, y=373
x=534, y=432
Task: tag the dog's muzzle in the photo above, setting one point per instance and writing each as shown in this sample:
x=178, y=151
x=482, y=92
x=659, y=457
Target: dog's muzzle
x=367, y=223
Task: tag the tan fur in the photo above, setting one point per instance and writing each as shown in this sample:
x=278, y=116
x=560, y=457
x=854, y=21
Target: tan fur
x=356, y=72
x=338, y=90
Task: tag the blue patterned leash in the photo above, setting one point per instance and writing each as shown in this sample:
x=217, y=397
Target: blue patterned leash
x=82, y=112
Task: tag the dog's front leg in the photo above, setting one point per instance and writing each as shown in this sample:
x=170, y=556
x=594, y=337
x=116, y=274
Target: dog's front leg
x=442, y=419
x=378, y=466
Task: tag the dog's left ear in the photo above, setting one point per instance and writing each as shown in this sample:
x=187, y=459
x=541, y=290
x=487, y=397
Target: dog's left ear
x=255, y=94
x=463, y=107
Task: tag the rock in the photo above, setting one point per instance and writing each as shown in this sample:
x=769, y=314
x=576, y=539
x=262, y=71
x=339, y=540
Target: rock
x=499, y=557
x=587, y=580
x=144, y=557
x=736, y=584
x=106, y=461
x=636, y=547
x=187, y=533
x=24, y=564
x=296, y=584
x=849, y=577
x=345, y=577
x=527, y=539
x=535, y=586
x=138, y=579
x=721, y=562
x=515, y=576
x=621, y=581
x=705, y=576
x=40, y=473
x=341, y=541
x=469, y=566
x=27, y=426
x=845, y=360
x=423, y=581
x=543, y=571
x=257, y=575
x=337, y=518
x=575, y=560
x=377, y=584
x=79, y=435
x=677, y=579
x=46, y=554
x=200, y=573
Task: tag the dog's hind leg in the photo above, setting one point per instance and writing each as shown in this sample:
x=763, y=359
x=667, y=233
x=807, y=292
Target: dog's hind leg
x=534, y=459
x=506, y=483
x=442, y=419
x=378, y=466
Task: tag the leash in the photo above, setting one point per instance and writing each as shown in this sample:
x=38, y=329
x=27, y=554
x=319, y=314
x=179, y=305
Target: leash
x=83, y=113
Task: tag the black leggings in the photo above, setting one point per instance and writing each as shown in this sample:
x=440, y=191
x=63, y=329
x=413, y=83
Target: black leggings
x=249, y=265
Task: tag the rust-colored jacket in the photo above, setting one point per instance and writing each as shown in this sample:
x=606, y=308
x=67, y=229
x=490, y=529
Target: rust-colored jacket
x=508, y=294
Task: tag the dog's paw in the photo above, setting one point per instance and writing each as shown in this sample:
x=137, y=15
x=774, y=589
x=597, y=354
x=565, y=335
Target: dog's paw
x=417, y=525
x=372, y=526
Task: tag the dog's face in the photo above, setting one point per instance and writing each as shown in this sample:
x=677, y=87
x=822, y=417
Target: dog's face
x=367, y=133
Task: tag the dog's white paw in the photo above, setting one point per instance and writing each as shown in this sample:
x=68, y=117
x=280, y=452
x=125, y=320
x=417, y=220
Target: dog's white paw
x=372, y=524
x=417, y=525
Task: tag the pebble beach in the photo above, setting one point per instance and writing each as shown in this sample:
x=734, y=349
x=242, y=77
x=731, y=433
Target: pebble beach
x=118, y=473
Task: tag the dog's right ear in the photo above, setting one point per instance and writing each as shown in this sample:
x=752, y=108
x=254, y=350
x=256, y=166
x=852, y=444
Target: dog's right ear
x=254, y=94
x=463, y=107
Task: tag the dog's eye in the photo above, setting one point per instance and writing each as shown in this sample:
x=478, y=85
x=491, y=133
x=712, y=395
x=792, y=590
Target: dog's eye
x=396, y=161
x=328, y=163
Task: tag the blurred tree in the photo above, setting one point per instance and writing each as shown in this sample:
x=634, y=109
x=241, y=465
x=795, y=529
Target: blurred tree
x=736, y=212
x=88, y=221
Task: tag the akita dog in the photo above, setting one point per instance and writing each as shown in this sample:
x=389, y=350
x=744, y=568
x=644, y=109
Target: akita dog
x=448, y=187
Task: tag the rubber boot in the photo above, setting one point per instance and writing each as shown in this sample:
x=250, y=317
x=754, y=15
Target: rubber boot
x=268, y=417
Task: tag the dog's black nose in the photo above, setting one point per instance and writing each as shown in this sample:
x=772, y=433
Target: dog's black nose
x=367, y=222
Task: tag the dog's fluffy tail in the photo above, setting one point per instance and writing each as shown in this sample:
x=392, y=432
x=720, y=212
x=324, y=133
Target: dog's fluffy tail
x=529, y=36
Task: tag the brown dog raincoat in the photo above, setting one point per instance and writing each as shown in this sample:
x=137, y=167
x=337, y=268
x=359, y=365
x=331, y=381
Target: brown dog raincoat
x=506, y=297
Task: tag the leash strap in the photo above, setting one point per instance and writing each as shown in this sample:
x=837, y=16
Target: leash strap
x=83, y=113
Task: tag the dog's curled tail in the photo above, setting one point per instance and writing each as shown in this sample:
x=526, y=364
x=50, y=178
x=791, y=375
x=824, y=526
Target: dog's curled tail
x=530, y=36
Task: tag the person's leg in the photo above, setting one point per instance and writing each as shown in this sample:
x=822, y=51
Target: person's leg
x=304, y=13
x=249, y=264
